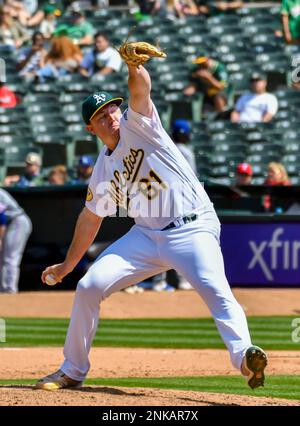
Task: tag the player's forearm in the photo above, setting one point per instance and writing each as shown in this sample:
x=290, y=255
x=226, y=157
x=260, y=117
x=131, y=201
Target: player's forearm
x=139, y=81
x=286, y=27
x=86, y=229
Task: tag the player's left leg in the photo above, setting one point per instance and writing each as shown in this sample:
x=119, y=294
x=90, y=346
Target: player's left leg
x=198, y=257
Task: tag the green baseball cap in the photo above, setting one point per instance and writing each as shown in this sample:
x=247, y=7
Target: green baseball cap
x=93, y=103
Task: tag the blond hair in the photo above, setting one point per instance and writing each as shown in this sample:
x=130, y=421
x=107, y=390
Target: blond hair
x=279, y=167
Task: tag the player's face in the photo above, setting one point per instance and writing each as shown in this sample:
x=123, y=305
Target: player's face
x=106, y=123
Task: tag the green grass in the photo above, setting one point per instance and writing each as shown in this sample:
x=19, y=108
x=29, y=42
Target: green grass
x=276, y=386
x=270, y=332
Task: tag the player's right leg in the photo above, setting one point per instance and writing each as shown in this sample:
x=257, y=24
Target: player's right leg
x=129, y=260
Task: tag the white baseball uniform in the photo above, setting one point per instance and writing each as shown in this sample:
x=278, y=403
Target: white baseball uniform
x=147, y=172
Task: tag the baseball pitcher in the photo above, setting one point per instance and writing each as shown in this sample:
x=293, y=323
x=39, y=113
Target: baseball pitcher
x=141, y=170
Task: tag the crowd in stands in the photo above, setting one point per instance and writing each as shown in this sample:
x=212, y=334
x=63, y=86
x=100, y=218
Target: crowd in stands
x=34, y=175
x=53, y=40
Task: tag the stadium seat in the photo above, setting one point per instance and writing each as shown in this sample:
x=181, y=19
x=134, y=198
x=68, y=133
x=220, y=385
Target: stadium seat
x=14, y=140
x=15, y=157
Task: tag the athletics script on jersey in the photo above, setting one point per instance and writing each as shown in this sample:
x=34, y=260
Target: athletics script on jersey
x=132, y=164
x=147, y=185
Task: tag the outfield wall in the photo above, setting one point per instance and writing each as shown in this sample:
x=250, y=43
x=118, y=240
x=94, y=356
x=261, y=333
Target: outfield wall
x=259, y=249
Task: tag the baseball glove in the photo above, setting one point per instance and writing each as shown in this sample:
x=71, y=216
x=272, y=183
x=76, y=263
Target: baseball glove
x=137, y=53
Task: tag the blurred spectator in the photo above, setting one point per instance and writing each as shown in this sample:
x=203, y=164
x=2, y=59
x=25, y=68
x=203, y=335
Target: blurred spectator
x=79, y=29
x=84, y=169
x=277, y=175
x=32, y=175
x=11, y=32
x=63, y=58
x=244, y=174
x=45, y=17
x=148, y=7
x=290, y=16
x=103, y=59
x=21, y=10
x=15, y=228
x=181, y=130
x=31, y=58
x=58, y=175
x=211, y=78
x=8, y=98
x=257, y=106
x=228, y=5
x=185, y=7
x=48, y=22
x=203, y=6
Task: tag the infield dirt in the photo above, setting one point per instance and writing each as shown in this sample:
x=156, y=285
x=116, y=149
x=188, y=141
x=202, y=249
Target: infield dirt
x=33, y=363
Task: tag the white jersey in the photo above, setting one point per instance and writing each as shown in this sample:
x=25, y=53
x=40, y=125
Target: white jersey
x=147, y=176
x=253, y=107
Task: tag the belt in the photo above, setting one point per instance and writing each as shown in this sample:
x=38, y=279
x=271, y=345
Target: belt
x=181, y=221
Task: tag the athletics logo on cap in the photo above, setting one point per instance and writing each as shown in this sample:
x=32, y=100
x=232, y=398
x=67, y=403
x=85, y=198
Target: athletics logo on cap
x=99, y=98
x=93, y=103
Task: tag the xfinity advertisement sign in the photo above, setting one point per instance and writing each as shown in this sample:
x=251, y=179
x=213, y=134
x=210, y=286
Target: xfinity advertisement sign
x=262, y=254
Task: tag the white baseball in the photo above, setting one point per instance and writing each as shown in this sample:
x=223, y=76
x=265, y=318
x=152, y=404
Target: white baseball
x=50, y=279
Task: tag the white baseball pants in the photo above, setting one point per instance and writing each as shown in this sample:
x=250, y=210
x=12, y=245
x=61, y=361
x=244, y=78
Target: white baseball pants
x=192, y=249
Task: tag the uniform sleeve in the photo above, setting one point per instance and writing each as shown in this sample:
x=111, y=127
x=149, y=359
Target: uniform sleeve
x=98, y=198
x=272, y=105
x=149, y=129
x=284, y=9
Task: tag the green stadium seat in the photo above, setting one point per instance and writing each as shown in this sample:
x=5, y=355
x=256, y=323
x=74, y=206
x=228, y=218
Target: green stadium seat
x=13, y=140
x=293, y=169
x=224, y=147
x=262, y=158
x=15, y=157
x=228, y=137
x=295, y=180
x=43, y=108
x=291, y=158
x=58, y=148
x=40, y=98
x=291, y=146
x=259, y=169
x=265, y=148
